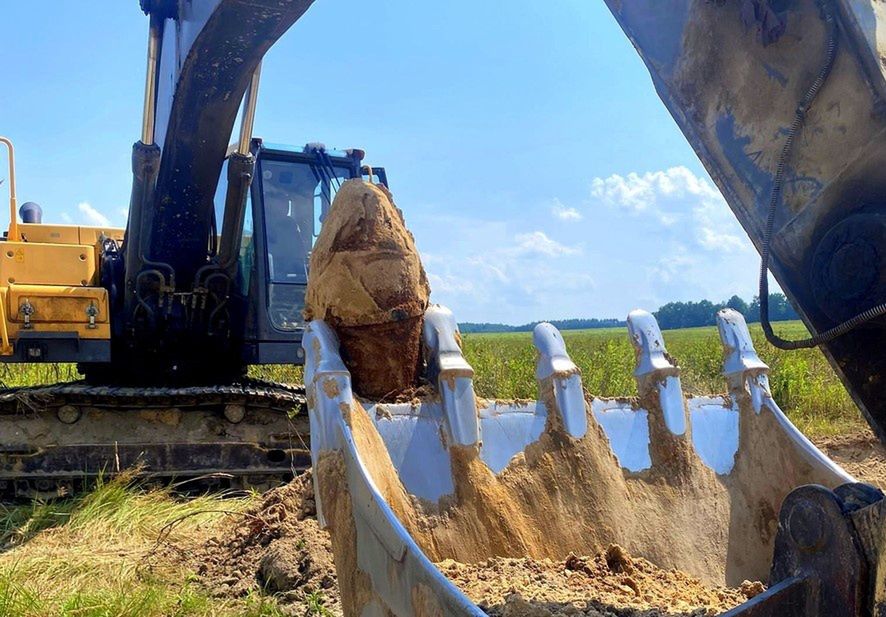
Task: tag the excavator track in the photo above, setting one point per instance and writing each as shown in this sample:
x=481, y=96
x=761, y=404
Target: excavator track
x=54, y=439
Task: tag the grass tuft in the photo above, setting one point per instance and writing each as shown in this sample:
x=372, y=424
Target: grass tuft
x=92, y=555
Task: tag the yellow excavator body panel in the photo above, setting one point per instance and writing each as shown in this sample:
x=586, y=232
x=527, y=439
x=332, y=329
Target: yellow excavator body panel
x=49, y=283
x=59, y=308
x=31, y=263
x=67, y=234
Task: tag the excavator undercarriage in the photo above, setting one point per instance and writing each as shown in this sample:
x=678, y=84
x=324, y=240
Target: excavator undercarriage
x=58, y=438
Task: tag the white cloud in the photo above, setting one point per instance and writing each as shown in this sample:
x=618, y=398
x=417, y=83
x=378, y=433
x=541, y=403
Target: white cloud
x=66, y=218
x=716, y=241
x=675, y=227
x=672, y=266
x=93, y=216
x=538, y=242
x=563, y=212
x=644, y=239
x=505, y=271
x=675, y=195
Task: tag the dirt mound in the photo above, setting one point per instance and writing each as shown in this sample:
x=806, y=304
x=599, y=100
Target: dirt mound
x=861, y=454
x=276, y=546
x=368, y=283
x=609, y=584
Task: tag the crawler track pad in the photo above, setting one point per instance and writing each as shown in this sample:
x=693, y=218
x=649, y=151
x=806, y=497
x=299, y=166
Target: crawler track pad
x=56, y=438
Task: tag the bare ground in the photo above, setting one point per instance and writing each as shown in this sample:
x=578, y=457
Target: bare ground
x=611, y=584
x=278, y=547
x=861, y=454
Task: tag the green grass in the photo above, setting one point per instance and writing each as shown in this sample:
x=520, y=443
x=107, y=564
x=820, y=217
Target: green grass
x=802, y=382
x=96, y=555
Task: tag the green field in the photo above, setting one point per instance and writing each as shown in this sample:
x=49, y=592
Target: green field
x=802, y=382
x=94, y=555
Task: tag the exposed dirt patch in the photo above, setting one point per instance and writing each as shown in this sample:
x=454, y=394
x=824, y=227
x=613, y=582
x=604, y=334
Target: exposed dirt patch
x=861, y=454
x=607, y=585
x=283, y=550
x=277, y=547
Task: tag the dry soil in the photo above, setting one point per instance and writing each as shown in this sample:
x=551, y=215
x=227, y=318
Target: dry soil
x=278, y=546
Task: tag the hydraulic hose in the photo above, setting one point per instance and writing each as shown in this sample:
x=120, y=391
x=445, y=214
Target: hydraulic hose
x=777, y=185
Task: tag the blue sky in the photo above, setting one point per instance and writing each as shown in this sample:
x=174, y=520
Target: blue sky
x=539, y=172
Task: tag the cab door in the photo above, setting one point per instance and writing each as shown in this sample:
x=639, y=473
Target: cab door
x=291, y=194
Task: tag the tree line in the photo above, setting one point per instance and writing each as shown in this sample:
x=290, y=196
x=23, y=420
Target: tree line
x=692, y=314
x=670, y=316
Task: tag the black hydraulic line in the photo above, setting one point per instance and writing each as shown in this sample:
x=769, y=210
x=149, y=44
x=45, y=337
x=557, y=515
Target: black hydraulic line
x=213, y=236
x=328, y=161
x=145, y=167
x=321, y=168
x=324, y=194
x=240, y=172
x=221, y=304
x=141, y=301
x=799, y=118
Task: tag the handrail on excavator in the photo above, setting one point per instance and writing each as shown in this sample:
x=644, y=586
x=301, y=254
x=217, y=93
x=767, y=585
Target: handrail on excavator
x=13, y=216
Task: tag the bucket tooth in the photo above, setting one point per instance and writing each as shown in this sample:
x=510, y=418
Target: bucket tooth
x=748, y=378
x=393, y=567
x=658, y=379
x=452, y=374
x=559, y=380
x=745, y=372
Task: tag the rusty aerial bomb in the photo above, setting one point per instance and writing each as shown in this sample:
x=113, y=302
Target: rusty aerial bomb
x=367, y=282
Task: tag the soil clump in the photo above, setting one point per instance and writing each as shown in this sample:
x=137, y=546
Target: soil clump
x=367, y=282
x=609, y=584
x=276, y=547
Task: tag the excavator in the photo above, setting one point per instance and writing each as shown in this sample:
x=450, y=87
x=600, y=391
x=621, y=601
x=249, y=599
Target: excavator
x=783, y=102
x=208, y=278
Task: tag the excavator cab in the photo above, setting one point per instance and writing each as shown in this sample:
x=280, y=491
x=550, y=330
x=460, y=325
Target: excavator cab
x=291, y=192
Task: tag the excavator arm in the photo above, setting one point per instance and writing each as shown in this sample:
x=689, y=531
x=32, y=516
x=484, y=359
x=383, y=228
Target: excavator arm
x=783, y=101
x=202, y=59
x=208, y=55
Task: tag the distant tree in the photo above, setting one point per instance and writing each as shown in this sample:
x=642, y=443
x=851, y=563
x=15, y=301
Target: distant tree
x=674, y=315
x=737, y=304
x=779, y=309
x=562, y=324
x=670, y=316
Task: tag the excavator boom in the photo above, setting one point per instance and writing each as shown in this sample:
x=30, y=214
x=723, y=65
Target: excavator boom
x=784, y=104
x=208, y=54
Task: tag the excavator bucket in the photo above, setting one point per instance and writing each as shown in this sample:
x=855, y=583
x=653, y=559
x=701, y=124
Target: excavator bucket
x=688, y=482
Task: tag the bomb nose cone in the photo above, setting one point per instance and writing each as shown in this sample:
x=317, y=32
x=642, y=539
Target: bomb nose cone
x=367, y=282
